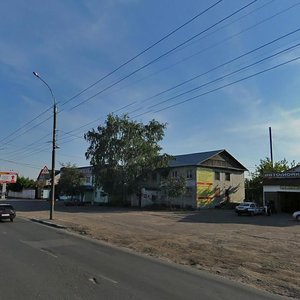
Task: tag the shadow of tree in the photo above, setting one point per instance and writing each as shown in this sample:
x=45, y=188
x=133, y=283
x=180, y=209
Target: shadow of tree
x=226, y=216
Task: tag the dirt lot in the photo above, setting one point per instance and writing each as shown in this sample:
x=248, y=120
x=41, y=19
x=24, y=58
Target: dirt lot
x=261, y=251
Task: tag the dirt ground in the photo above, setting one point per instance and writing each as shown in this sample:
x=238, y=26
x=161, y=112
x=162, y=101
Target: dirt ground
x=261, y=251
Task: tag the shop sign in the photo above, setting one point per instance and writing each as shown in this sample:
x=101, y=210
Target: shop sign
x=283, y=175
x=290, y=188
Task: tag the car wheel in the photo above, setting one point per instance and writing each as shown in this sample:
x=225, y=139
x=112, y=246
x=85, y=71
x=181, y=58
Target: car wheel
x=252, y=213
x=12, y=219
x=298, y=218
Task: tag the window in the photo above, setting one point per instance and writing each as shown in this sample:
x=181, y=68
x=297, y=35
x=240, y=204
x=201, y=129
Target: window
x=217, y=175
x=189, y=174
x=174, y=174
x=227, y=176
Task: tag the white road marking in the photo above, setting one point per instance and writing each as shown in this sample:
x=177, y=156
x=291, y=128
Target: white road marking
x=48, y=252
x=94, y=279
x=108, y=279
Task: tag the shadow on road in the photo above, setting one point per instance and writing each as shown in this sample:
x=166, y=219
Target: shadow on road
x=43, y=205
x=209, y=216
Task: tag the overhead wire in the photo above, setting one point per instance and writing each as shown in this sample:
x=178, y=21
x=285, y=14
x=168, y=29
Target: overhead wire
x=208, y=48
x=29, y=122
x=229, y=84
x=50, y=107
x=204, y=73
x=144, y=66
x=225, y=76
x=144, y=51
x=163, y=55
x=219, y=78
x=118, y=68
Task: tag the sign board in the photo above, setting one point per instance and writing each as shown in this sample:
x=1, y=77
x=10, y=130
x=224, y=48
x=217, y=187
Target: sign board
x=44, y=174
x=283, y=175
x=8, y=177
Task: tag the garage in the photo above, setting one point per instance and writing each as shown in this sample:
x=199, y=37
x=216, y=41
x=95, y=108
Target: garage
x=282, y=190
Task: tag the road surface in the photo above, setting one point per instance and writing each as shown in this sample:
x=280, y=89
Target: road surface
x=40, y=262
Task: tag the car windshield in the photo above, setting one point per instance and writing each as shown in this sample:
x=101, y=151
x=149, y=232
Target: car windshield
x=6, y=207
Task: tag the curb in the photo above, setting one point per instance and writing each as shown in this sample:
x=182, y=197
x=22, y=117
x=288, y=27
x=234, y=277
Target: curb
x=47, y=223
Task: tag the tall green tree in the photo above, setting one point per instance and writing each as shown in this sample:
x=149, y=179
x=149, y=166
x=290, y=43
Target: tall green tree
x=70, y=182
x=22, y=183
x=174, y=187
x=254, y=184
x=123, y=152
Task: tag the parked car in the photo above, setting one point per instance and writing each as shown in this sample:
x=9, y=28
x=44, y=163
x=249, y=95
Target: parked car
x=249, y=208
x=7, y=212
x=296, y=215
x=73, y=202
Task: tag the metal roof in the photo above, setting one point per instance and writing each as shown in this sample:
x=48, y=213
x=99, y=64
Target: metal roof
x=195, y=159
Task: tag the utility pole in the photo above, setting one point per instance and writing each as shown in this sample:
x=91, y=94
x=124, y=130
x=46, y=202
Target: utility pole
x=53, y=147
x=271, y=146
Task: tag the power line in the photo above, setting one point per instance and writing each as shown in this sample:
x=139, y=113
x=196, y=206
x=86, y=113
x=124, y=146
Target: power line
x=84, y=125
x=144, y=51
x=205, y=73
x=209, y=48
x=221, y=65
x=227, y=85
x=247, y=29
x=260, y=47
x=221, y=87
x=219, y=78
x=118, y=68
x=29, y=122
x=133, y=102
x=226, y=75
x=20, y=163
x=163, y=55
x=27, y=130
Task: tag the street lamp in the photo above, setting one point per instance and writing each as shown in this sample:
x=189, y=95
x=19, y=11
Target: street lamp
x=53, y=146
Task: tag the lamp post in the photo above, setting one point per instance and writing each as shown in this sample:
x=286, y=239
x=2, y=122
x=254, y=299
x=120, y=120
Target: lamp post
x=53, y=146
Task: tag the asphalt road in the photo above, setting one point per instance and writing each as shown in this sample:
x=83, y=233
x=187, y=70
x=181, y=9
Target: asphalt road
x=40, y=262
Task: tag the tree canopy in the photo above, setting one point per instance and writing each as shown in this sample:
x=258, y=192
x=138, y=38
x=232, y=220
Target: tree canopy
x=175, y=186
x=254, y=184
x=21, y=183
x=123, y=152
x=70, y=182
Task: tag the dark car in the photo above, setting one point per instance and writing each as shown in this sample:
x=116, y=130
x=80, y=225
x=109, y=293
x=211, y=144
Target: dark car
x=7, y=212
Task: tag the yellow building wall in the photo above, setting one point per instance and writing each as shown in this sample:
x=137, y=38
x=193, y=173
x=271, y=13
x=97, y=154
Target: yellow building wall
x=205, y=187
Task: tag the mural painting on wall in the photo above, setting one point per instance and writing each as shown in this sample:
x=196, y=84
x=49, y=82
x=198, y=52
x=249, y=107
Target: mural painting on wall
x=205, y=188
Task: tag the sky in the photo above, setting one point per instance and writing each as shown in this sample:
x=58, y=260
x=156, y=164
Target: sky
x=219, y=73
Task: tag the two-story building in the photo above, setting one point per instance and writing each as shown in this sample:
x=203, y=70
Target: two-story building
x=44, y=183
x=91, y=194
x=212, y=178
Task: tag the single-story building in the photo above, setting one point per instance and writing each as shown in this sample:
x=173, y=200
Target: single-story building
x=282, y=190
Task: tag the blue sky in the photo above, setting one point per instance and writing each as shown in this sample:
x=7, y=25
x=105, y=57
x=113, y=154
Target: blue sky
x=73, y=44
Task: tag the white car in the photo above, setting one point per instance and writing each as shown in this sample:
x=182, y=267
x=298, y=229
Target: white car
x=249, y=208
x=296, y=215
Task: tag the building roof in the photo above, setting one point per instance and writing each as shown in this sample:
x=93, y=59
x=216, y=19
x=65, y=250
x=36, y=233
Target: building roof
x=196, y=159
